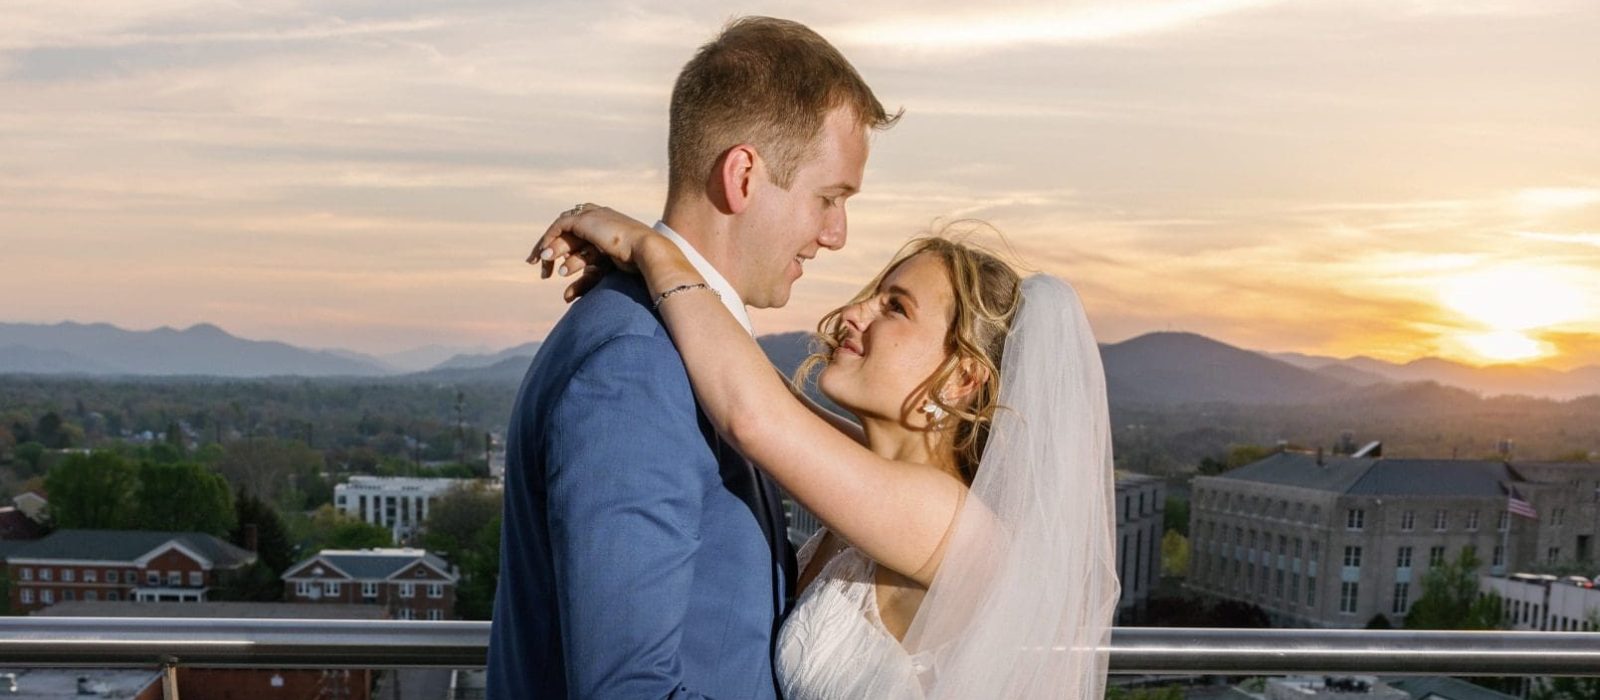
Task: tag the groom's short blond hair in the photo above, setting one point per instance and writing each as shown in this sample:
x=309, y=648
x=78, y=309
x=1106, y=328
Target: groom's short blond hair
x=765, y=82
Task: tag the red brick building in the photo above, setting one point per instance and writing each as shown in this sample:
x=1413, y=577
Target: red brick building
x=117, y=565
x=410, y=584
x=245, y=683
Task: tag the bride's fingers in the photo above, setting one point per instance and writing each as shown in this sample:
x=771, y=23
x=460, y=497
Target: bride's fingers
x=591, y=276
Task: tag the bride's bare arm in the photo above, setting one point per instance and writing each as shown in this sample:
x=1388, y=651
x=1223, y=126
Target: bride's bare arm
x=839, y=423
x=897, y=513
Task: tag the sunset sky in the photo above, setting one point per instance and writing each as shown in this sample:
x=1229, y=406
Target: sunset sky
x=1388, y=177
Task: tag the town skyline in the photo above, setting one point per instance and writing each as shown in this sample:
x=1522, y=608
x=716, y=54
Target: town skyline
x=1396, y=180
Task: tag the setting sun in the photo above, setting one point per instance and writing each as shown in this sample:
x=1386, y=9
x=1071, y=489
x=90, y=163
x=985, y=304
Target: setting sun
x=1506, y=305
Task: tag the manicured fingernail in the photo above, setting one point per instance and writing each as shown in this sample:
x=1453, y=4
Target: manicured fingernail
x=546, y=254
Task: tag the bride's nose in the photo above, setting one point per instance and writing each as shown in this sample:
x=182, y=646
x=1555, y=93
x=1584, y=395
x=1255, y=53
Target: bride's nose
x=856, y=316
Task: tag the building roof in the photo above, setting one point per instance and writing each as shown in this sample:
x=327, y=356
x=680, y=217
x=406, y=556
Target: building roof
x=1381, y=476
x=251, y=611
x=129, y=546
x=368, y=564
x=16, y=525
x=1444, y=688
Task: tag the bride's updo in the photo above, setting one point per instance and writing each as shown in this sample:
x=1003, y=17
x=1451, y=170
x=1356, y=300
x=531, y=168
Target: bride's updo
x=986, y=293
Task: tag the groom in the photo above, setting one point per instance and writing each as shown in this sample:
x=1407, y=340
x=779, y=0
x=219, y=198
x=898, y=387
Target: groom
x=641, y=556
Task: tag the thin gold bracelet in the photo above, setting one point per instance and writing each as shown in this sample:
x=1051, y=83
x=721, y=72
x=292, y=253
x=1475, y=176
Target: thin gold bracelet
x=683, y=288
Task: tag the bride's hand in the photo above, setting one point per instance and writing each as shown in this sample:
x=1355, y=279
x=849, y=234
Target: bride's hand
x=590, y=239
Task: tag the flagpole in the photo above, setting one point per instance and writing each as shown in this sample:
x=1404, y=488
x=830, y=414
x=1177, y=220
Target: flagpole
x=1505, y=547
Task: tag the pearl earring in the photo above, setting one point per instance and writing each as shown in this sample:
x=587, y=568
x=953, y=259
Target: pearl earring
x=935, y=414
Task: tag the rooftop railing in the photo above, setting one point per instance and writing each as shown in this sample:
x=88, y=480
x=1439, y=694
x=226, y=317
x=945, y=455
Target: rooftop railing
x=387, y=644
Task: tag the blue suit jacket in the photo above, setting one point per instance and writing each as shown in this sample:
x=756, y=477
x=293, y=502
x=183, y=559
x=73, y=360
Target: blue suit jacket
x=641, y=557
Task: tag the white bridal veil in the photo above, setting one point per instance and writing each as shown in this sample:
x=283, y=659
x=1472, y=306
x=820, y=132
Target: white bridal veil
x=1023, y=602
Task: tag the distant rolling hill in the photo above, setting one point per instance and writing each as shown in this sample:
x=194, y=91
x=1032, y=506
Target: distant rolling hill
x=1493, y=380
x=1180, y=368
x=201, y=350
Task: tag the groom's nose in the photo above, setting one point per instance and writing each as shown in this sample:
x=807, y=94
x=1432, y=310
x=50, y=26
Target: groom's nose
x=834, y=230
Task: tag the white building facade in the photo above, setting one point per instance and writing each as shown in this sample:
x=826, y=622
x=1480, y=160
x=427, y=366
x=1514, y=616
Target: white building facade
x=400, y=503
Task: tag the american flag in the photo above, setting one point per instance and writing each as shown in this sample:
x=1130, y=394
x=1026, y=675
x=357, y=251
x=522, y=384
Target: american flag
x=1517, y=506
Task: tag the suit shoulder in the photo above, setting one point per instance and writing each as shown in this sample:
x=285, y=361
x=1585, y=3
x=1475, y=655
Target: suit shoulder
x=618, y=306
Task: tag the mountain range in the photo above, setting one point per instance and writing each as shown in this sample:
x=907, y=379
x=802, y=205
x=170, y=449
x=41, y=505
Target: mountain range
x=1157, y=368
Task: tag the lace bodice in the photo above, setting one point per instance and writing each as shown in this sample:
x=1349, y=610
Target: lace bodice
x=834, y=644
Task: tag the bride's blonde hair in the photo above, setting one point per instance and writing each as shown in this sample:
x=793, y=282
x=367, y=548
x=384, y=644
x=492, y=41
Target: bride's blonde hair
x=987, y=292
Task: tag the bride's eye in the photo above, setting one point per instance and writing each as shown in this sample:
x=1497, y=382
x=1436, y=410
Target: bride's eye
x=895, y=306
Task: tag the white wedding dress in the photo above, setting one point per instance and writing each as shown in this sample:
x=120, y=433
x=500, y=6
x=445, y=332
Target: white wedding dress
x=834, y=644
x=1021, y=605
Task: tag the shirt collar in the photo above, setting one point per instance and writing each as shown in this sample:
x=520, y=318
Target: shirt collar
x=714, y=278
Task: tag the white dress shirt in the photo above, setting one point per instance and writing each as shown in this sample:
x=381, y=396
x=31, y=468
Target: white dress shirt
x=730, y=298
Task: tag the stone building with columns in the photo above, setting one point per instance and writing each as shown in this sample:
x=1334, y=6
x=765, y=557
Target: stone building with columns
x=400, y=503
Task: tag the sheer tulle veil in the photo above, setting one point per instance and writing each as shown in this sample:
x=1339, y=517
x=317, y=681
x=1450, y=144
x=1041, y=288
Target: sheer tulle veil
x=1022, y=604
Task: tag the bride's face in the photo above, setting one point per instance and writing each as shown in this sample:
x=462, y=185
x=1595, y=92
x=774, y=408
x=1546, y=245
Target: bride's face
x=893, y=342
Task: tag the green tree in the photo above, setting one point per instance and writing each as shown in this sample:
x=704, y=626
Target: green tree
x=1450, y=599
x=1174, y=554
x=464, y=526
x=480, y=573
x=1175, y=516
x=183, y=497
x=51, y=431
x=269, y=469
x=273, y=547
x=93, y=491
x=456, y=518
x=31, y=456
x=329, y=528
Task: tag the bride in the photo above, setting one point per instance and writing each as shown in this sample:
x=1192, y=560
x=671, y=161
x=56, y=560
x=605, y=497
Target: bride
x=967, y=549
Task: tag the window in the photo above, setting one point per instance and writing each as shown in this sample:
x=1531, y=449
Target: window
x=68, y=575
x=407, y=614
x=90, y=595
x=89, y=575
x=1441, y=519
x=1297, y=548
x=369, y=589
x=1552, y=555
x=68, y=594
x=111, y=576
x=174, y=578
x=1557, y=515
x=407, y=590
x=1348, y=591
x=436, y=614
x=1277, y=585
x=25, y=573
x=47, y=596
x=1505, y=521
x=1402, y=598
x=1294, y=588
x=47, y=574
x=1408, y=520
x=1311, y=591
x=330, y=588
x=1499, y=555
x=196, y=578
x=302, y=588
x=113, y=596
x=1316, y=515
x=435, y=590
x=1355, y=519
x=1283, y=546
x=1316, y=552
x=27, y=596
x=1352, y=557
x=1435, y=556
x=1402, y=558
x=1472, y=521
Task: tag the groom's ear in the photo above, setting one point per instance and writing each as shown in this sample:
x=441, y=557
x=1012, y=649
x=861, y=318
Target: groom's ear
x=740, y=166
